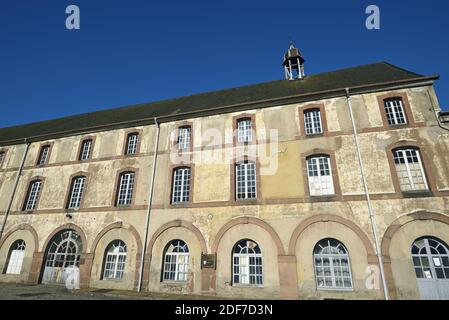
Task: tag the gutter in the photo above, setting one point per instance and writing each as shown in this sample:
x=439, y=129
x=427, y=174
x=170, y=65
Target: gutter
x=368, y=199
x=13, y=193
x=240, y=106
x=150, y=203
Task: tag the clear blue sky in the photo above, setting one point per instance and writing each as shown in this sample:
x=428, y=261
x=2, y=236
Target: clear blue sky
x=135, y=51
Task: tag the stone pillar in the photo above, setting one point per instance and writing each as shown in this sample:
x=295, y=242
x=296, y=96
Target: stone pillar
x=86, y=262
x=288, y=277
x=146, y=272
x=208, y=281
x=36, y=265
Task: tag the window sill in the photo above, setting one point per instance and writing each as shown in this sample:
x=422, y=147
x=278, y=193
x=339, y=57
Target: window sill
x=323, y=198
x=336, y=289
x=248, y=286
x=417, y=194
x=314, y=135
x=174, y=282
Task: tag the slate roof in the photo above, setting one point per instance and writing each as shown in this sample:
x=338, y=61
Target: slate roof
x=249, y=97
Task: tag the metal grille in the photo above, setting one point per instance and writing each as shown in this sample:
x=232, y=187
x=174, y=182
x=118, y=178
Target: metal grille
x=246, y=180
x=312, y=121
x=43, y=155
x=181, y=185
x=85, y=149
x=320, y=176
x=115, y=260
x=131, y=145
x=394, y=111
x=76, y=193
x=17, y=253
x=184, y=138
x=176, y=261
x=126, y=186
x=332, y=267
x=33, y=194
x=247, y=263
x=409, y=169
x=244, y=130
x=430, y=259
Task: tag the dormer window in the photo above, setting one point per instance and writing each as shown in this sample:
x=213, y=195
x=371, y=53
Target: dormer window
x=394, y=111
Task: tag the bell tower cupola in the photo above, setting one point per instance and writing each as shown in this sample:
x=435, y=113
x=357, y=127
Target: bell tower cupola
x=293, y=63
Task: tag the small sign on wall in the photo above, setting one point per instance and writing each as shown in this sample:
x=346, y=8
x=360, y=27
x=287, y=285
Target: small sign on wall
x=208, y=260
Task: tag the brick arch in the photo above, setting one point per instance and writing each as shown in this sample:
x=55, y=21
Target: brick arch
x=65, y=227
x=118, y=225
x=23, y=226
x=333, y=218
x=391, y=231
x=176, y=224
x=248, y=220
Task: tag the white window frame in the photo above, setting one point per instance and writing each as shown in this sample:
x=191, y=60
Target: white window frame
x=115, y=261
x=184, y=137
x=176, y=262
x=312, y=122
x=325, y=182
x=33, y=194
x=244, y=130
x=395, y=112
x=428, y=263
x=131, y=143
x=16, y=257
x=331, y=257
x=43, y=155
x=403, y=153
x=248, y=182
x=76, y=192
x=2, y=157
x=181, y=185
x=85, y=149
x=245, y=262
x=125, y=190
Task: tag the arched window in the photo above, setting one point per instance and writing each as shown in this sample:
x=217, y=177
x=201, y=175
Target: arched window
x=176, y=261
x=332, y=267
x=181, y=185
x=15, y=257
x=32, y=195
x=320, y=175
x=247, y=263
x=125, y=188
x=115, y=259
x=409, y=169
x=430, y=258
x=76, y=192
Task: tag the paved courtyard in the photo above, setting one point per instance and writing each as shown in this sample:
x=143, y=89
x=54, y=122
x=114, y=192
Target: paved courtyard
x=54, y=292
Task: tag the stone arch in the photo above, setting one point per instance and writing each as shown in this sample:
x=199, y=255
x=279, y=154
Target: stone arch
x=328, y=217
x=248, y=220
x=174, y=224
x=392, y=229
x=118, y=225
x=64, y=227
x=23, y=226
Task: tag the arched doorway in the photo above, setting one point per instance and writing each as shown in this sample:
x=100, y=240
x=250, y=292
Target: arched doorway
x=431, y=262
x=62, y=258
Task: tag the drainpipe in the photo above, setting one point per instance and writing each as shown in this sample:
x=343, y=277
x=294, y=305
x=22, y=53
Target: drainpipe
x=368, y=199
x=150, y=202
x=11, y=197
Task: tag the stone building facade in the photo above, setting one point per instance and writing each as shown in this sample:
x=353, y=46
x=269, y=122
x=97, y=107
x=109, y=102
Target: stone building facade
x=249, y=192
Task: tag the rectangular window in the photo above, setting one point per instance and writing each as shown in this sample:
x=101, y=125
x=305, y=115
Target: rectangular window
x=125, y=191
x=43, y=155
x=320, y=176
x=76, y=193
x=410, y=170
x=181, y=185
x=394, y=111
x=248, y=269
x=176, y=266
x=312, y=122
x=33, y=194
x=85, y=149
x=15, y=262
x=184, y=138
x=131, y=144
x=244, y=130
x=245, y=181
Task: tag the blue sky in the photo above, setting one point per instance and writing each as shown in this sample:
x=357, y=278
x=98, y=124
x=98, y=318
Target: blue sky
x=135, y=51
